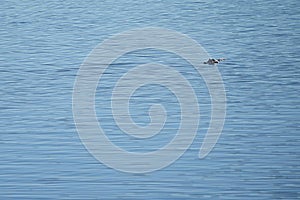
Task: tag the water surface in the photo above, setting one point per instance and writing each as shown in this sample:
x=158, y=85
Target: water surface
x=42, y=46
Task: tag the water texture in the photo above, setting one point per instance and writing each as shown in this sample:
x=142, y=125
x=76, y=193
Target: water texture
x=42, y=45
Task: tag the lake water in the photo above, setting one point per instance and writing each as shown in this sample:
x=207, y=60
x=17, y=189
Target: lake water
x=42, y=46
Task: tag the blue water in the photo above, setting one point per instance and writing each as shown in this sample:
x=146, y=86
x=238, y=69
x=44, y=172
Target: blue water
x=42, y=45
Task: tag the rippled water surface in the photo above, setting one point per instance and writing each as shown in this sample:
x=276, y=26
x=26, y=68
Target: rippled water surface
x=42, y=46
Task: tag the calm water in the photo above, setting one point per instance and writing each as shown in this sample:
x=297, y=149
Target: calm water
x=42, y=46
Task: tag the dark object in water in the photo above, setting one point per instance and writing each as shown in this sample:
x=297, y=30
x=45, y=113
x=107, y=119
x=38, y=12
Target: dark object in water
x=213, y=61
